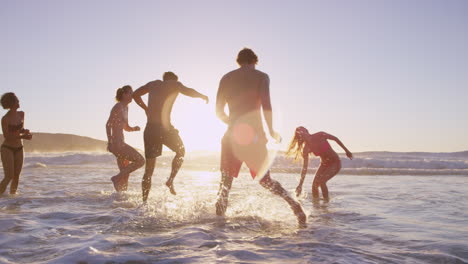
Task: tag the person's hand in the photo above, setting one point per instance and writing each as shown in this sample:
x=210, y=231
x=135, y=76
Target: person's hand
x=276, y=136
x=298, y=190
x=349, y=154
x=207, y=100
x=136, y=128
x=26, y=131
x=27, y=136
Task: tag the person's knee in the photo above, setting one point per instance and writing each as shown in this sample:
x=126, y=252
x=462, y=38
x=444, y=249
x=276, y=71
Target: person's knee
x=140, y=162
x=316, y=184
x=180, y=153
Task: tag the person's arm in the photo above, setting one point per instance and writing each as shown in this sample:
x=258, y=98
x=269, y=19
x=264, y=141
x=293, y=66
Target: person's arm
x=221, y=103
x=192, y=93
x=305, y=166
x=24, y=133
x=331, y=137
x=113, y=116
x=267, y=109
x=6, y=133
x=138, y=93
x=127, y=127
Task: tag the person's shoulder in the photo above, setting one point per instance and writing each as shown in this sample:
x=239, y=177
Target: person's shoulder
x=21, y=113
x=229, y=74
x=154, y=84
x=261, y=74
x=118, y=106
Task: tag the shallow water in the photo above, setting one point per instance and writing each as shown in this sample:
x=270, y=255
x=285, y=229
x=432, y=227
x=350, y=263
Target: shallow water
x=70, y=214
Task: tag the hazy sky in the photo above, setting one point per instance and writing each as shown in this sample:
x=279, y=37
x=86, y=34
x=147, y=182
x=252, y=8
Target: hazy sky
x=380, y=75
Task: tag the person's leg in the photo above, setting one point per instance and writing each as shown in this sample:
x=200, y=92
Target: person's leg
x=135, y=159
x=329, y=173
x=223, y=193
x=123, y=181
x=318, y=180
x=146, y=183
x=18, y=159
x=8, y=163
x=173, y=141
x=153, y=149
x=276, y=188
x=230, y=167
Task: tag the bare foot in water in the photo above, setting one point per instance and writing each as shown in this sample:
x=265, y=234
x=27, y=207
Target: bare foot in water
x=170, y=185
x=117, y=182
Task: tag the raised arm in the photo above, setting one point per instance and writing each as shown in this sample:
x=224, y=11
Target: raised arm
x=138, y=93
x=267, y=109
x=331, y=137
x=192, y=93
x=221, y=103
x=305, y=166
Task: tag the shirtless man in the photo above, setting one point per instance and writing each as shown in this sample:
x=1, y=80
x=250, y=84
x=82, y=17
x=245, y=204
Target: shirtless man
x=246, y=92
x=159, y=130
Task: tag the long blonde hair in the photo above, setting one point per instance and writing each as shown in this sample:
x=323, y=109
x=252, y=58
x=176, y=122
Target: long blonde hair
x=296, y=146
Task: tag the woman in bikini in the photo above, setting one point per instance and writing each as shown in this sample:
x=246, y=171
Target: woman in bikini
x=12, y=147
x=128, y=159
x=303, y=144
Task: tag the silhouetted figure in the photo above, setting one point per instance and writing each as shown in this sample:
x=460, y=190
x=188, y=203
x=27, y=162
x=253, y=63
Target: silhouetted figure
x=12, y=147
x=128, y=159
x=246, y=92
x=159, y=130
x=303, y=144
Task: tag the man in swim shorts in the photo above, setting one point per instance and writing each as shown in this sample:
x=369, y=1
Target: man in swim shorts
x=159, y=130
x=246, y=92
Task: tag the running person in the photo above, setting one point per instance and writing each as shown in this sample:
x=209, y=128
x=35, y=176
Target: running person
x=246, y=92
x=12, y=148
x=159, y=130
x=303, y=144
x=128, y=159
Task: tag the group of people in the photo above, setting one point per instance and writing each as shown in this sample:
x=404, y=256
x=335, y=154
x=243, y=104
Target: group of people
x=246, y=93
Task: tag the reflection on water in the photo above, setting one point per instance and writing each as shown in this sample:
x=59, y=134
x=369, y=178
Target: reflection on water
x=70, y=214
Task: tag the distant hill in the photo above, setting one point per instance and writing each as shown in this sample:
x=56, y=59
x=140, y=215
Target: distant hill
x=48, y=142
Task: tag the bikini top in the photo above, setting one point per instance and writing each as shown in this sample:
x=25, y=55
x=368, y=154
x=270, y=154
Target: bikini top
x=17, y=127
x=317, y=144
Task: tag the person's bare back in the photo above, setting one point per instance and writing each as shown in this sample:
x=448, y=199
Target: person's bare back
x=244, y=90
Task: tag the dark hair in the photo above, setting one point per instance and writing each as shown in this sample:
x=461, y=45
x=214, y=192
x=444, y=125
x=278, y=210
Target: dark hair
x=247, y=56
x=121, y=91
x=170, y=76
x=8, y=100
x=297, y=143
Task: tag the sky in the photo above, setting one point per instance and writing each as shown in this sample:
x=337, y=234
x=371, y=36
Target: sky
x=379, y=75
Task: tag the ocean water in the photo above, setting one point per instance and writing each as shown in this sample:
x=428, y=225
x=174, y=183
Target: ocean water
x=67, y=212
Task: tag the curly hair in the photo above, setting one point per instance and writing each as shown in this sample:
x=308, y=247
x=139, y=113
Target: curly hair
x=8, y=100
x=247, y=56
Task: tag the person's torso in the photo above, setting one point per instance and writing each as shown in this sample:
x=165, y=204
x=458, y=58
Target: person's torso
x=319, y=146
x=119, y=123
x=161, y=98
x=14, y=126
